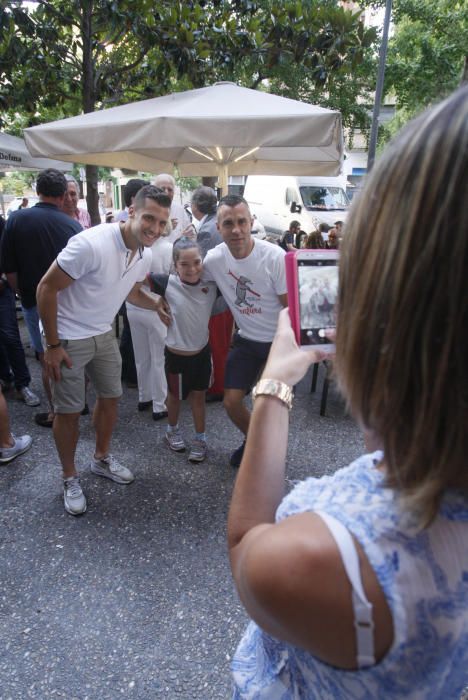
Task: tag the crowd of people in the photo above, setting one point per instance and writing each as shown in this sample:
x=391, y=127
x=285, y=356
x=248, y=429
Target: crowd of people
x=167, y=278
x=356, y=583
x=295, y=237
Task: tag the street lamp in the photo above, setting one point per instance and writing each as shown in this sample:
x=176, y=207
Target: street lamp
x=379, y=88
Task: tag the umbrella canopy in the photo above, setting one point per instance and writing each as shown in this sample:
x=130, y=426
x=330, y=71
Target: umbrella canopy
x=15, y=156
x=218, y=130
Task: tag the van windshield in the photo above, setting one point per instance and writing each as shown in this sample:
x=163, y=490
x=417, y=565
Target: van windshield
x=325, y=198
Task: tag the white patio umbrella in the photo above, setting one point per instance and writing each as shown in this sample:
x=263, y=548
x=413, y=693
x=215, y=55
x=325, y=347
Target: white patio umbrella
x=219, y=130
x=15, y=156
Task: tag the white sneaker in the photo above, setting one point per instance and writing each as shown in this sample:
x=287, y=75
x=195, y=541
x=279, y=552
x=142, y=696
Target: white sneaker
x=28, y=396
x=73, y=496
x=110, y=468
x=198, y=451
x=175, y=441
x=22, y=444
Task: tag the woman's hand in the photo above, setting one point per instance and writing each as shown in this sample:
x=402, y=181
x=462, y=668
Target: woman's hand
x=287, y=362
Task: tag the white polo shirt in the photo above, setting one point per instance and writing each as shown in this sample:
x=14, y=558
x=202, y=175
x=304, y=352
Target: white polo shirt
x=104, y=272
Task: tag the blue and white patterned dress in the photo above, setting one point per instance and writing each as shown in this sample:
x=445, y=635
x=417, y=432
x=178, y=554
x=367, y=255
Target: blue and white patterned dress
x=424, y=576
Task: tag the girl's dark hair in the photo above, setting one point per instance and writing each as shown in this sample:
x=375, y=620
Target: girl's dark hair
x=181, y=244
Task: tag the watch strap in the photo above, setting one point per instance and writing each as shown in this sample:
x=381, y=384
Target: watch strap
x=273, y=387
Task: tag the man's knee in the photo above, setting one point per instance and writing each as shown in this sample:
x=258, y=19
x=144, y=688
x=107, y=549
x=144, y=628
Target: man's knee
x=66, y=419
x=233, y=399
x=107, y=403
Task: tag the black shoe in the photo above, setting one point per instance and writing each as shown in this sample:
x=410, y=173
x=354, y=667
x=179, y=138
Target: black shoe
x=236, y=457
x=159, y=415
x=211, y=398
x=85, y=411
x=143, y=405
x=44, y=420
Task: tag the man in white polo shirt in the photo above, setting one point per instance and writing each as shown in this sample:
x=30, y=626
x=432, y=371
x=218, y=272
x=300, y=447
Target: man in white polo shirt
x=78, y=299
x=251, y=276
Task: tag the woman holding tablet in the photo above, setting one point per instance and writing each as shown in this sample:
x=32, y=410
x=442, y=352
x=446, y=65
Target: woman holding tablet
x=357, y=583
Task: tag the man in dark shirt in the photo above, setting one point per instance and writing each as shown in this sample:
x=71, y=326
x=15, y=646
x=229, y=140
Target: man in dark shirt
x=31, y=241
x=288, y=237
x=13, y=367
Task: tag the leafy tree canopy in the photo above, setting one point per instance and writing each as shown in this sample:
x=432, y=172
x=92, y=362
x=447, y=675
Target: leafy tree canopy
x=61, y=57
x=427, y=52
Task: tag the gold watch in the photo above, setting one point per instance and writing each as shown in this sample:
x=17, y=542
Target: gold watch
x=273, y=387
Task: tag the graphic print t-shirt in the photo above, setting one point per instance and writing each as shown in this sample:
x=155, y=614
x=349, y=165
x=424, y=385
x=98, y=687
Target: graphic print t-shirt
x=250, y=286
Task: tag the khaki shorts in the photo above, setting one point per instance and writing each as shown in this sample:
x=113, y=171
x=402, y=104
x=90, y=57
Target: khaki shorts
x=100, y=358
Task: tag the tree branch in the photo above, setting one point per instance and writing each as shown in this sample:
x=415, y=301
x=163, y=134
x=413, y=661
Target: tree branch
x=110, y=70
x=56, y=13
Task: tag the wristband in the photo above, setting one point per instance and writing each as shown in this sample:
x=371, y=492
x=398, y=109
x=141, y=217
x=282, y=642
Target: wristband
x=273, y=387
x=52, y=346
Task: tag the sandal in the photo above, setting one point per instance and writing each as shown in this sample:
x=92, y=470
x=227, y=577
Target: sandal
x=44, y=420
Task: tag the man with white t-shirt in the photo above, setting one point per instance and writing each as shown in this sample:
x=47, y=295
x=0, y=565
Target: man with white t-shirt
x=78, y=299
x=250, y=274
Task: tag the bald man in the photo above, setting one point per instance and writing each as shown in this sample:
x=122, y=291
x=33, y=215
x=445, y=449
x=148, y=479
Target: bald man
x=179, y=224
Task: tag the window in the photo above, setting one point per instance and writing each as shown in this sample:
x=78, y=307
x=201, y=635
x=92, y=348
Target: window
x=324, y=198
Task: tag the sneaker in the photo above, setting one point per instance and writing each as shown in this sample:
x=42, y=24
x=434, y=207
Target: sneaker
x=22, y=444
x=236, y=457
x=175, y=441
x=73, y=496
x=198, y=451
x=144, y=405
x=111, y=469
x=28, y=396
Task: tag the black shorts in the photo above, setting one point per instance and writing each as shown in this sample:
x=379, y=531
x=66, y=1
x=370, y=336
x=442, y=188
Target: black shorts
x=244, y=363
x=186, y=373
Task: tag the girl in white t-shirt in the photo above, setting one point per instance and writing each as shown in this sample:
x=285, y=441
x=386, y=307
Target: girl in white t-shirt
x=187, y=352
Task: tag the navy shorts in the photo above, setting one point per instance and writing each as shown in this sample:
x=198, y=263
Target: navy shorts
x=244, y=363
x=186, y=373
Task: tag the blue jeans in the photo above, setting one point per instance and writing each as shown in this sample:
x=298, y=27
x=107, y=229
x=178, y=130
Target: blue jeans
x=31, y=319
x=13, y=365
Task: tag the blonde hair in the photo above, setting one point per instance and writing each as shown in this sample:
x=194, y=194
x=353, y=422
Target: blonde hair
x=402, y=327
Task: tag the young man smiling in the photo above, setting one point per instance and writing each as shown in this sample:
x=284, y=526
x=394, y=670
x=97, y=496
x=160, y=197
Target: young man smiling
x=78, y=298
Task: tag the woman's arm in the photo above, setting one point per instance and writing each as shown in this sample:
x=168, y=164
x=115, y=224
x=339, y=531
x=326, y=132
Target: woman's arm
x=289, y=575
x=259, y=486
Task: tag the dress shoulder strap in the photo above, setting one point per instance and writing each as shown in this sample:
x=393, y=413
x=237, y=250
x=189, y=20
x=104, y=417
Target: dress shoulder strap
x=363, y=621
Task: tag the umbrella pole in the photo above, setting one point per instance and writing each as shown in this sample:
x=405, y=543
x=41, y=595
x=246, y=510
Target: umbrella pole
x=223, y=179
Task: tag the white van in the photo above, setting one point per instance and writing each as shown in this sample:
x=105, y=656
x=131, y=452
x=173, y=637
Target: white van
x=277, y=200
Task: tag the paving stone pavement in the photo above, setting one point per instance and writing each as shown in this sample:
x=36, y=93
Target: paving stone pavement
x=133, y=599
